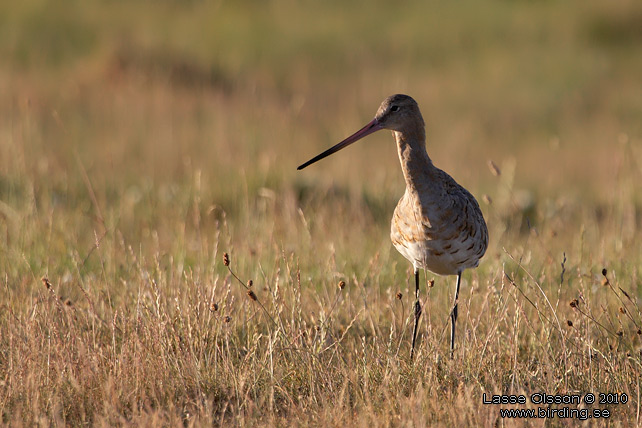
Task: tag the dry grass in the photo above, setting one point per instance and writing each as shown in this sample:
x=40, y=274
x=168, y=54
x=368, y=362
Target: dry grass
x=130, y=164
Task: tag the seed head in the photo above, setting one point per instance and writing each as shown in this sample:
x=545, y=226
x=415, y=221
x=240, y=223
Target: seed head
x=250, y=283
x=227, y=318
x=605, y=280
x=251, y=295
x=431, y=283
x=68, y=302
x=620, y=333
x=399, y=295
x=342, y=285
x=622, y=310
x=213, y=306
x=46, y=282
x=574, y=303
x=494, y=169
x=570, y=323
x=226, y=259
x=639, y=332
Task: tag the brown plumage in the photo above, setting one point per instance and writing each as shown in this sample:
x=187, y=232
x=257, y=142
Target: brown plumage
x=437, y=224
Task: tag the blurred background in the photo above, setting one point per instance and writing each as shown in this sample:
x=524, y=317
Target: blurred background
x=140, y=140
x=122, y=113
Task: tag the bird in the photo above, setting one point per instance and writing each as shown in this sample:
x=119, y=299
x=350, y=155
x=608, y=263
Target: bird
x=437, y=225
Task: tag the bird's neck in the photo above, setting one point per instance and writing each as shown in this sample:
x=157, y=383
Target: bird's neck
x=415, y=162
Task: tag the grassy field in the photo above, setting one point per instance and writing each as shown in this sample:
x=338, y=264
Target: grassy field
x=140, y=141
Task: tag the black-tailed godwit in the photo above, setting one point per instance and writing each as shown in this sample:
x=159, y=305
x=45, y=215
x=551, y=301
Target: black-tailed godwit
x=437, y=224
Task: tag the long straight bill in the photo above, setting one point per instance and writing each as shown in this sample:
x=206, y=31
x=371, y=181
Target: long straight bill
x=366, y=130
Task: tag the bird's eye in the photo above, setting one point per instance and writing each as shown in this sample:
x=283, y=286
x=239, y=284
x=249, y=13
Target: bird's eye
x=394, y=108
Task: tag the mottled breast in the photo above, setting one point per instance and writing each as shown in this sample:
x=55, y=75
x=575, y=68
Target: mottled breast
x=440, y=228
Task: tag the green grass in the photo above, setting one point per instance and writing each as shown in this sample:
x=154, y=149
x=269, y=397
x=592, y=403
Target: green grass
x=139, y=142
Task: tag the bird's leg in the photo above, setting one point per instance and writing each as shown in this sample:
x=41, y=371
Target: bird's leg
x=417, y=314
x=453, y=317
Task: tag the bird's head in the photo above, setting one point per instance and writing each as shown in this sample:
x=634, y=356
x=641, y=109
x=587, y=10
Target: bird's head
x=395, y=113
